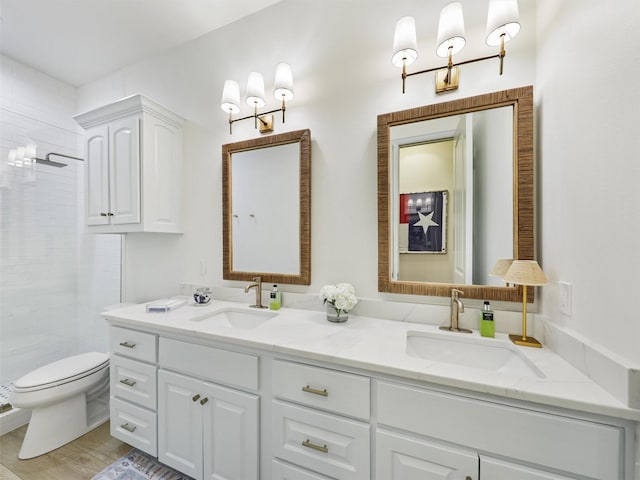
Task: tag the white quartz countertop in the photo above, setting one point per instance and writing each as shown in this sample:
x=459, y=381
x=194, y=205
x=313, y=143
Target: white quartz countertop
x=380, y=346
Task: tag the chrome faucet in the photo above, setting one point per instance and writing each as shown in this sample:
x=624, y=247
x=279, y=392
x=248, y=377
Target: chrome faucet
x=257, y=284
x=456, y=308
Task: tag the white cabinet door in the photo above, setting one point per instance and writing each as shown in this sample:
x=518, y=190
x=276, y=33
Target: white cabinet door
x=494, y=469
x=399, y=457
x=230, y=434
x=124, y=156
x=97, y=176
x=180, y=423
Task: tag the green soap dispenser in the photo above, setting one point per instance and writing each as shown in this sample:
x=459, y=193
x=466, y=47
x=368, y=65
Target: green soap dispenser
x=487, y=327
x=275, y=299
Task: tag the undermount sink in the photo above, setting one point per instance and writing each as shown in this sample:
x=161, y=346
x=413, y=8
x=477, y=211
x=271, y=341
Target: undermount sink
x=244, y=319
x=479, y=353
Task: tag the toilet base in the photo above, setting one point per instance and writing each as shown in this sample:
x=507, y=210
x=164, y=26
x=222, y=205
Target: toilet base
x=55, y=425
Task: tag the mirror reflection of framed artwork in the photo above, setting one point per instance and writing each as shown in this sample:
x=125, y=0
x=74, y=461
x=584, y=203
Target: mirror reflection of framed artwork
x=423, y=222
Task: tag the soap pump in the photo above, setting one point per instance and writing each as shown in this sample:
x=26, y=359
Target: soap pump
x=487, y=327
x=275, y=299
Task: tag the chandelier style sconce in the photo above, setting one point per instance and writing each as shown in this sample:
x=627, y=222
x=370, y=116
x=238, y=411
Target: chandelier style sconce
x=283, y=92
x=503, y=23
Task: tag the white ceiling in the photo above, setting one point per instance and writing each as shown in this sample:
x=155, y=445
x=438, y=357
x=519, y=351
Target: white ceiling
x=77, y=41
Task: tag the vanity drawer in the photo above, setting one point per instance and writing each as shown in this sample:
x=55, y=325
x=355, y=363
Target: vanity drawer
x=209, y=363
x=325, y=443
x=134, y=425
x=133, y=344
x=339, y=392
x=134, y=381
x=284, y=471
x=555, y=441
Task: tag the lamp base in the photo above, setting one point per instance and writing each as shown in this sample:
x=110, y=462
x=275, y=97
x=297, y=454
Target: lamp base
x=526, y=342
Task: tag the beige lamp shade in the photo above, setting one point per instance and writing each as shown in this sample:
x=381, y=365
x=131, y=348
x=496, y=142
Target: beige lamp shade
x=525, y=272
x=501, y=267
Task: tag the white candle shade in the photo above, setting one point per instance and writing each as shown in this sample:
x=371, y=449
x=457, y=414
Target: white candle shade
x=283, y=83
x=450, y=30
x=255, y=90
x=230, y=102
x=405, y=45
x=503, y=19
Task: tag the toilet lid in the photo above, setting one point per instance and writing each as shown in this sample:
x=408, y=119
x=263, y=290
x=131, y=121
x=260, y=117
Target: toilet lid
x=63, y=371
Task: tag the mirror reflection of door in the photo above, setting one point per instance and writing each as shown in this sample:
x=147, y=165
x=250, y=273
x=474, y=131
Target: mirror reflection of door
x=463, y=201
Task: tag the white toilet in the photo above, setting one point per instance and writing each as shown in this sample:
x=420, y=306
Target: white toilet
x=68, y=398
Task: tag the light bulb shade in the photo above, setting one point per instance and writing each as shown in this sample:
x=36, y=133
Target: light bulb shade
x=255, y=90
x=405, y=45
x=503, y=19
x=501, y=267
x=230, y=102
x=283, y=85
x=525, y=272
x=30, y=151
x=450, y=30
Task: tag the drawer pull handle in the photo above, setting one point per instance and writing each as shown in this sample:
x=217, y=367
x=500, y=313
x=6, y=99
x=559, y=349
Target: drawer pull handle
x=315, y=391
x=196, y=397
x=204, y=400
x=308, y=444
x=127, y=345
x=129, y=428
x=127, y=382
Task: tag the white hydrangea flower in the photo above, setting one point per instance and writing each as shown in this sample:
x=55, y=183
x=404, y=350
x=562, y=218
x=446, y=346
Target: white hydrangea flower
x=342, y=296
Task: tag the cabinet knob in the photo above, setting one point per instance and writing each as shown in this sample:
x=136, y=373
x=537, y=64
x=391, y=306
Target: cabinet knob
x=204, y=400
x=315, y=391
x=196, y=397
x=109, y=214
x=127, y=382
x=102, y=214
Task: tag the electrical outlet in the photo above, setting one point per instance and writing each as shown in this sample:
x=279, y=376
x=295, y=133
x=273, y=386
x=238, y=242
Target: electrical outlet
x=565, y=298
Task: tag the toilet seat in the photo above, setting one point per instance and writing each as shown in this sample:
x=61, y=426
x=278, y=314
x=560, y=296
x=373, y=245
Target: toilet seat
x=63, y=371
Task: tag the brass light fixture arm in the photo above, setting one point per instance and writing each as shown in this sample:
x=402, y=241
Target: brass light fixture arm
x=450, y=65
x=257, y=117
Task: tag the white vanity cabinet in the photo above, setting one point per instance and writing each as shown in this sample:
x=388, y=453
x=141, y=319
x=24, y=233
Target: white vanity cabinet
x=232, y=411
x=207, y=430
x=133, y=388
x=133, y=167
x=559, y=446
x=310, y=425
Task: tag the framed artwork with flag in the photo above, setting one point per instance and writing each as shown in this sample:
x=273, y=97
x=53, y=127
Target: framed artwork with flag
x=426, y=217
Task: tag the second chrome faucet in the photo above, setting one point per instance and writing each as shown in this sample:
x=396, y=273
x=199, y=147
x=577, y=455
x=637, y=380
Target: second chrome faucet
x=257, y=284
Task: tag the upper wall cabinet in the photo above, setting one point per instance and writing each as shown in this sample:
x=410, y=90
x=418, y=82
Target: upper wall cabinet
x=133, y=167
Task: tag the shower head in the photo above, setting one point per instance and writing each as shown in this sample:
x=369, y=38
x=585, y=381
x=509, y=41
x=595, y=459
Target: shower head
x=48, y=161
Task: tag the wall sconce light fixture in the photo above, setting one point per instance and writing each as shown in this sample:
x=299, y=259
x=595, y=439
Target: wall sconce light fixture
x=283, y=92
x=503, y=23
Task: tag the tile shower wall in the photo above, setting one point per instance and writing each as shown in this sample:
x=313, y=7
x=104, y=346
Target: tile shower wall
x=55, y=278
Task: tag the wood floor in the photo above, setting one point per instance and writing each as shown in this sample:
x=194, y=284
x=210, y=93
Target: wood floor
x=78, y=460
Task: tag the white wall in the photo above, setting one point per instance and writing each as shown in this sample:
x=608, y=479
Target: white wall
x=340, y=54
x=54, y=278
x=588, y=105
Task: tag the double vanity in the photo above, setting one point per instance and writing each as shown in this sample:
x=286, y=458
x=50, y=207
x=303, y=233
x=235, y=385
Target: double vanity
x=225, y=391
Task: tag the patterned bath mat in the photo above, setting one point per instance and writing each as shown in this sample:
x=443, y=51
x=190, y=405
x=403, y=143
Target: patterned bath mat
x=137, y=465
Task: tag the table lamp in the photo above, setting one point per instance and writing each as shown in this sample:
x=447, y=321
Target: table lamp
x=525, y=273
x=501, y=267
